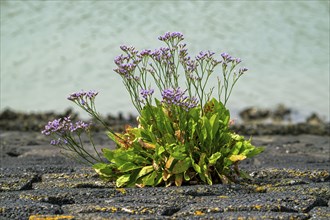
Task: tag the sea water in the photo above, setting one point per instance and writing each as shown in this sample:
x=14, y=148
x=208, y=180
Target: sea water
x=50, y=49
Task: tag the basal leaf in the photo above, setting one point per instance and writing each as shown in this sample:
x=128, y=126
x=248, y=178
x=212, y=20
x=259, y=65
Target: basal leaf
x=235, y=158
x=149, y=180
x=255, y=151
x=108, y=154
x=178, y=152
x=208, y=178
x=169, y=163
x=145, y=170
x=214, y=157
x=122, y=180
x=131, y=155
x=186, y=176
x=214, y=122
x=181, y=166
x=166, y=175
x=196, y=167
x=146, y=145
x=206, y=130
x=159, y=178
x=160, y=150
x=104, y=170
x=236, y=148
x=128, y=166
x=178, y=179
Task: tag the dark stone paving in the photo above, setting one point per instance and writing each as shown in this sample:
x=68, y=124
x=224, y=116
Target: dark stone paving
x=41, y=184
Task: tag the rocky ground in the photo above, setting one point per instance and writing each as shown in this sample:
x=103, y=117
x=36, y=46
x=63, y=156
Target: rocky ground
x=290, y=180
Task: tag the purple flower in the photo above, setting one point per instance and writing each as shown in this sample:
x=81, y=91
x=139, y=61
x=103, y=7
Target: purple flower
x=125, y=69
x=59, y=141
x=162, y=54
x=62, y=126
x=226, y=57
x=91, y=94
x=78, y=96
x=238, y=60
x=83, y=98
x=204, y=55
x=178, y=98
x=145, y=53
x=121, y=59
x=168, y=36
x=147, y=93
x=54, y=126
x=242, y=70
x=79, y=125
x=123, y=47
x=129, y=50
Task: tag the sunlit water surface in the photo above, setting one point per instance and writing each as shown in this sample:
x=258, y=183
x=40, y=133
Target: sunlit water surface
x=52, y=48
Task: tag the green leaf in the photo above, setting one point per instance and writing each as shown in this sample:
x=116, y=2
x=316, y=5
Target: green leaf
x=129, y=155
x=178, y=179
x=194, y=113
x=181, y=166
x=227, y=162
x=214, y=122
x=104, y=170
x=208, y=178
x=236, y=148
x=108, y=154
x=145, y=170
x=206, y=130
x=158, y=179
x=214, y=157
x=196, y=167
x=192, y=128
x=178, y=151
x=149, y=180
x=186, y=176
x=128, y=166
x=203, y=167
x=255, y=151
x=159, y=150
x=235, y=158
x=122, y=180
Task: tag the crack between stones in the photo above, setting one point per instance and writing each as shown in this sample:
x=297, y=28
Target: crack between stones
x=29, y=184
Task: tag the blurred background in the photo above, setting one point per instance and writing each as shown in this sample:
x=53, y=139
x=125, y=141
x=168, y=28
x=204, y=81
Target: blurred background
x=50, y=49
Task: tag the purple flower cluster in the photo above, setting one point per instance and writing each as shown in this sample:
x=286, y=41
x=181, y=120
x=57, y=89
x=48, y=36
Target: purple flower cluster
x=242, y=70
x=62, y=126
x=169, y=36
x=126, y=64
x=81, y=96
x=58, y=141
x=126, y=69
x=147, y=93
x=204, y=55
x=177, y=97
x=227, y=59
x=128, y=49
x=144, y=53
x=162, y=54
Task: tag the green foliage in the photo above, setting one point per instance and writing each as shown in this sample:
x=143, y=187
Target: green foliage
x=165, y=150
x=183, y=137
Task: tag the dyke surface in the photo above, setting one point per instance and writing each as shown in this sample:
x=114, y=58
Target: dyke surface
x=290, y=180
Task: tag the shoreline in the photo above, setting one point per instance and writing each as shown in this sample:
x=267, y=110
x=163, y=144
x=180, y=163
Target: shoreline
x=252, y=121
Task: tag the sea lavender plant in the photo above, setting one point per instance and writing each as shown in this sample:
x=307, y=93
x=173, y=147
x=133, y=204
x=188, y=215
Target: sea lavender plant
x=183, y=136
x=67, y=136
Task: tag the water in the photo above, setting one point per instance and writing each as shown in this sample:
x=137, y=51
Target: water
x=52, y=48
